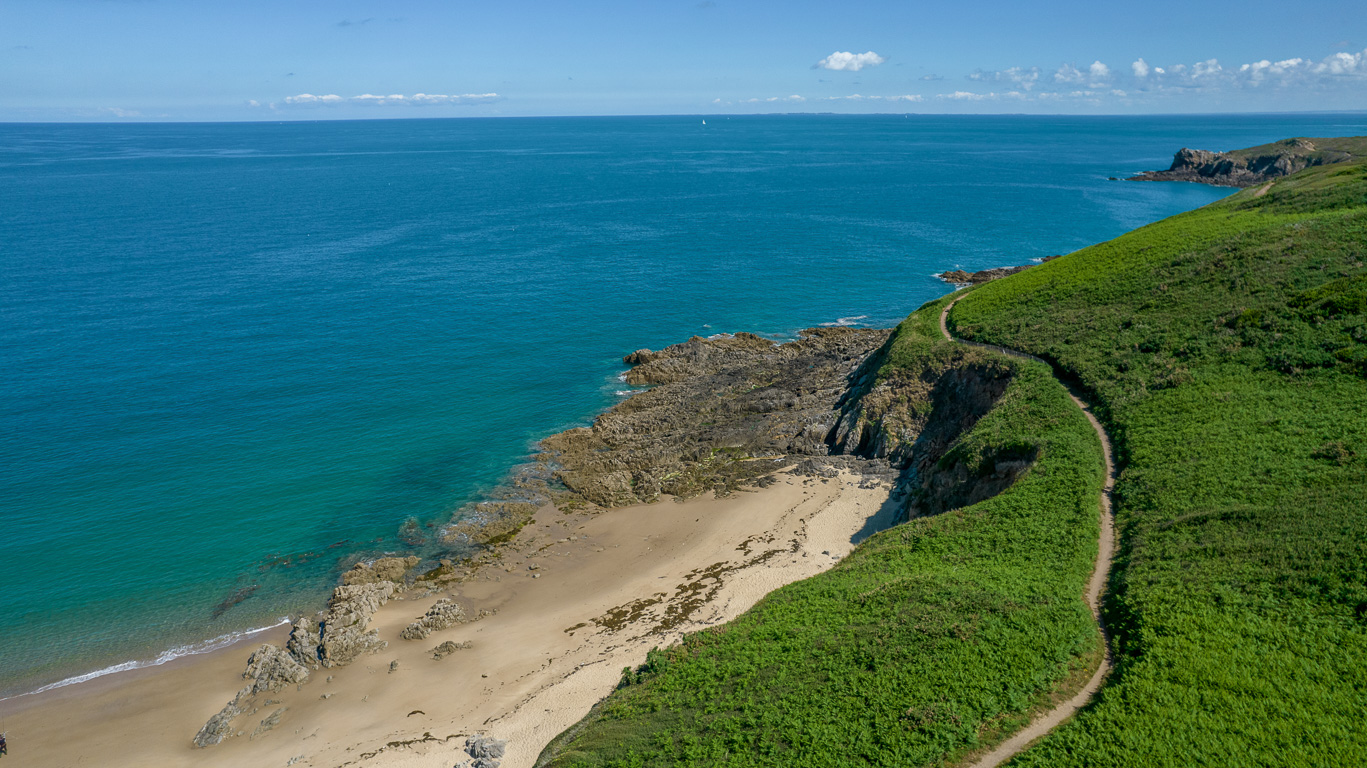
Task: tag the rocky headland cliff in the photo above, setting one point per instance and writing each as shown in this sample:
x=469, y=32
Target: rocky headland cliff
x=1257, y=165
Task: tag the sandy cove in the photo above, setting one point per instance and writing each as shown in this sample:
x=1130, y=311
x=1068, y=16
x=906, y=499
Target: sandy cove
x=605, y=588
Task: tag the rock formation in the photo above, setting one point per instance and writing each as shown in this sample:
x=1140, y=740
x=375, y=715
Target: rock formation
x=444, y=613
x=344, y=636
x=1256, y=165
x=390, y=569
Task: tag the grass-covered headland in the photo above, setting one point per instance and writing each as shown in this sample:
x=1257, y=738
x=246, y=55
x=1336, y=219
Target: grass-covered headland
x=1226, y=352
x=1228, y=349
x=930, y=639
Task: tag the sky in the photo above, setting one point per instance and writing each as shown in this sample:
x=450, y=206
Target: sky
x=115, y=60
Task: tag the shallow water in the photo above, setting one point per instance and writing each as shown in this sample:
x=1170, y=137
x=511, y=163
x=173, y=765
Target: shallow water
x=238, y=356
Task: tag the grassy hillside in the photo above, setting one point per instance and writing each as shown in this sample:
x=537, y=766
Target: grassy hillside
x=1227, y=348
x=1325, y=151
x=927, y=640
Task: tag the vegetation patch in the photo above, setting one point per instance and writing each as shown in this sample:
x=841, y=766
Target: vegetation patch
x=1225, y=349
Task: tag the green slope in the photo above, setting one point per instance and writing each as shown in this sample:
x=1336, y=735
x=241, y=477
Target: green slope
x=923, y=638
x=1227, y=348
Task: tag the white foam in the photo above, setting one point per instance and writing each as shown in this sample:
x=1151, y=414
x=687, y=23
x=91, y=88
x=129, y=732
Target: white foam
x=193, y=649
x=626, y=392
x=845, y=322
x=622, y=377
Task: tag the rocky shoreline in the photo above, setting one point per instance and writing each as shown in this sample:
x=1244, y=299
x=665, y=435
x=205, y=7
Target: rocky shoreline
x=720, y=415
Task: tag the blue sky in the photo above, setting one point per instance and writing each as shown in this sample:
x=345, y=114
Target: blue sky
x=252, y=60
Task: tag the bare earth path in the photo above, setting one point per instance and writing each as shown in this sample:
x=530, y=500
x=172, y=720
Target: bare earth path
x=1105, y=551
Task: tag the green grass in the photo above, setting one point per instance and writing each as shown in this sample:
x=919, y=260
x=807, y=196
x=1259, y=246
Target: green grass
x=1330, y=150
x=1226, y=349
x=928, y=640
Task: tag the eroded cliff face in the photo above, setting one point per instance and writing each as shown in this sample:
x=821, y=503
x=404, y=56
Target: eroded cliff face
x=913, y=419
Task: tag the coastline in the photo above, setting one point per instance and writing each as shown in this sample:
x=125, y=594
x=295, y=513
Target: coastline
x=170, y=655
x=607, y=586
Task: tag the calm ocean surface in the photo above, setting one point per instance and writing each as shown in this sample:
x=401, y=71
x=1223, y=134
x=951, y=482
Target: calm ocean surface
x=241, y=355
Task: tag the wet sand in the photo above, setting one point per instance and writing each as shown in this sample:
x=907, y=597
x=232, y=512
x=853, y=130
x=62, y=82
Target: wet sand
x=578, y=597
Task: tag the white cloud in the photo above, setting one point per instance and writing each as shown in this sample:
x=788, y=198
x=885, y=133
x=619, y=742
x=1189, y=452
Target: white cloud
x=1141, y=68
x=1344, y=64
x=844, y=61
x=1099, y=71
x=966, y=96
x=1207, y=68
x=1020, y=76
x=308, y=98
x=416, y=100
x=1069, y=74
x=912, y=97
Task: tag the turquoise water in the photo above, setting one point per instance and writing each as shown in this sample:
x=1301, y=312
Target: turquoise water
x=240, y=356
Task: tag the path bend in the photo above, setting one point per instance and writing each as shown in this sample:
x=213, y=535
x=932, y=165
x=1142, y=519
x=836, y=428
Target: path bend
x=1100, y=573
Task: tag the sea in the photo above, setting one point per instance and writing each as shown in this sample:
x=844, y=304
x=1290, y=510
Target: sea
x=237, y=358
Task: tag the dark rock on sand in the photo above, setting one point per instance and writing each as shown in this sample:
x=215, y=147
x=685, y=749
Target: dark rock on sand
x=219, y=727
x=271, y=669
x=444, y=613
x=485, y=747
x=344, y=636
x=449, y=647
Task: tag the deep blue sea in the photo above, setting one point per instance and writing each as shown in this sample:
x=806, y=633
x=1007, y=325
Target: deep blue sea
x=238, y=355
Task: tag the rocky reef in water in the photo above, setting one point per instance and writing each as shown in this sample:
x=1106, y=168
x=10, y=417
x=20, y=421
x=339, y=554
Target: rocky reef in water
x=1256, y=165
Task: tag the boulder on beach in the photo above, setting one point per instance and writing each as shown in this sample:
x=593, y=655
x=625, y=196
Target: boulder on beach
x=444, y=613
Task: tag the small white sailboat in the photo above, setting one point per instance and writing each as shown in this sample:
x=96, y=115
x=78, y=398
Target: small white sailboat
x=704, y=122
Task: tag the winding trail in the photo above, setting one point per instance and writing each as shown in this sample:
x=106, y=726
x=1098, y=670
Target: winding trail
x=1100, y=572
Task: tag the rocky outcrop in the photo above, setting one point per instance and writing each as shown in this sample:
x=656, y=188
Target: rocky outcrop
x=271, y=669
x=721, y=413
x=219, y=727
x=303, y=643
x=338, y=638
x=449, y=647
x=344, y=636
x=960, y=277
x=1256, y=165
x=443, y=613
x=390, y=569
x=485, y=750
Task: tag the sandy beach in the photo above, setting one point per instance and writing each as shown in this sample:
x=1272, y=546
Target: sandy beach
x=577, y=598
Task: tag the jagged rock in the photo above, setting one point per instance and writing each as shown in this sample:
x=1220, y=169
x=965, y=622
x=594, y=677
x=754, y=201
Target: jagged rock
x=344, y=636
x=1255, y=165
x=271, y=669
x=269, y=722
x=722, y=413
x=449, y=647
x=385, y=569
x=219, y=727
x=960, y=277
x=444, y=613
x=394, y=666
x=303, y=642
x=485, y=747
